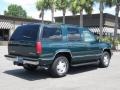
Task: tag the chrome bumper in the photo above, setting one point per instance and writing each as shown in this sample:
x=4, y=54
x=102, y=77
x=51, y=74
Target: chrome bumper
x=22, y=60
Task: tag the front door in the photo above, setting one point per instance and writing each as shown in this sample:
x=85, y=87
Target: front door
x=76, y=45
x=92, y=45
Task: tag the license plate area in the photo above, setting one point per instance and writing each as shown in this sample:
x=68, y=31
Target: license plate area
x=19, y=59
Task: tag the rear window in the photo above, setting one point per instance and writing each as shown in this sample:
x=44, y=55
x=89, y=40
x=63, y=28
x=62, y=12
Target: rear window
x=26, y=33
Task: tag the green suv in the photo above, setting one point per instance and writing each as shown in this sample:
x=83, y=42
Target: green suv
x=56, y=48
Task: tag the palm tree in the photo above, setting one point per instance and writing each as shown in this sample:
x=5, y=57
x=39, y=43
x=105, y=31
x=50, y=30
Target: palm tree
x=62, y=5
x=52, y=7
x=103, y=3
x=77, y=6
x=101, y=8
x=42, y=5
x=73, y=7
x=117, y=4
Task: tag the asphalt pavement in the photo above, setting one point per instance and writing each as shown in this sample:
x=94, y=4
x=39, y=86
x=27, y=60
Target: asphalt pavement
x=79, y=78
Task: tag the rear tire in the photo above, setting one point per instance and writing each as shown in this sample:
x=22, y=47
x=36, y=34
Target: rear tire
x=30, y=67
x=59, y=67
x=105, y=60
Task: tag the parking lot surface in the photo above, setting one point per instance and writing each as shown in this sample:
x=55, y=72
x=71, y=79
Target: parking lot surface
x=79, y=78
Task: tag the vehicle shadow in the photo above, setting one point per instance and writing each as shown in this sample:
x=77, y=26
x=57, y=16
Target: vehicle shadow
x=27, y=75
x=42, y=74
x=82, y=69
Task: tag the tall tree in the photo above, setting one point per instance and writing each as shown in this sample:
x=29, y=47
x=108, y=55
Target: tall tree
x=117, y=10
x=102, y=4
x=62, y=5
x=77, y=6
x=73, y=7
x=110, y=3
x=52, y=7
x=42, y=5
x=16, y=11
x=101, y=8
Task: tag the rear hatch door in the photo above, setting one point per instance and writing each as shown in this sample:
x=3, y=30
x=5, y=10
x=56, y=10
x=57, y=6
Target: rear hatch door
x=23, y=41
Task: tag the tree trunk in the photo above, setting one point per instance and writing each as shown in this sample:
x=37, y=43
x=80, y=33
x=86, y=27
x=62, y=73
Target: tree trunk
x=64, y=11
x=42, y=15
x=101, y=8
x=116, y=26
x=81, y=18
x=52, y=10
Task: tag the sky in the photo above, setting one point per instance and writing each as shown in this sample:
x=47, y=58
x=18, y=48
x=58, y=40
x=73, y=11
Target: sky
x=29, y=6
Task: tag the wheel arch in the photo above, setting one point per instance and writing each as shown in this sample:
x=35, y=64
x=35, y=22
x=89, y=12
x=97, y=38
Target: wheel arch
x=108, y=50
x=65, y=53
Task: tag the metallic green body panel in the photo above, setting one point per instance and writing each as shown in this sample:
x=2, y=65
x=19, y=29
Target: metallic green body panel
x=80, y=51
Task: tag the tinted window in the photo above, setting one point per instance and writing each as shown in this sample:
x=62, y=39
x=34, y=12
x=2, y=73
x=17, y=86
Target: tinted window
x=88, y=36
x=73, y=34
x=52, y=33
x=28, y=33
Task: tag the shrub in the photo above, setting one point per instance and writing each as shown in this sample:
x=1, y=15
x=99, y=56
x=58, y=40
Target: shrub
x=110, y=40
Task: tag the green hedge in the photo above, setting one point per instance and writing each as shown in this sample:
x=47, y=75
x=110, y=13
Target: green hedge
x=110, y=40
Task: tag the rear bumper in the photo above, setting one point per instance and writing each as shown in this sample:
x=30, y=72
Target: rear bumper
x=22, y=60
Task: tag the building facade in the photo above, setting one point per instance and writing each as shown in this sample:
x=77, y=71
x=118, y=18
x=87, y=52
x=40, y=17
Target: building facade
x=92, y=22
x=9, y=24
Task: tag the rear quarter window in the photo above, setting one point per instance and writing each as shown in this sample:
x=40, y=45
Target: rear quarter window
x=52, y=33
x=26, y=33
x=73, y=34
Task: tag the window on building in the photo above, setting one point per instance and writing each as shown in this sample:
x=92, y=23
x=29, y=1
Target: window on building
x=4, y=34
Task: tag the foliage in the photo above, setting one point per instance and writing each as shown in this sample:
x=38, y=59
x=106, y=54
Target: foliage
x=62, y=4
x=42, y=5
x=110, y=40
x=29, y=17
x=78, y=5
x=51, y=5
x=16, y=11
x=73, y=7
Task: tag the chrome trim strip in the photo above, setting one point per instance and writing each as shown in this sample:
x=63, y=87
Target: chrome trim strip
x=47, y=54
x=82, y=64
x=31, y=62
x=24, y=61
x=46, y=59
x=87, y=55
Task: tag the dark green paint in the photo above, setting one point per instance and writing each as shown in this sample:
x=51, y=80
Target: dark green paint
x=80, y=51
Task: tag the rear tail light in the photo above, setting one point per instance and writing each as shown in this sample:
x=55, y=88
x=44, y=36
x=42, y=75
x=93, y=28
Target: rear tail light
x=38, y=47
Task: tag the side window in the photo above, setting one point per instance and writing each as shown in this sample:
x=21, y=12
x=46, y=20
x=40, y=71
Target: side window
x=88, y=37
x=53, y=34
x=73, y=34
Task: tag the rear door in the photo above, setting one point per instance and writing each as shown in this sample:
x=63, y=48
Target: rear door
x=52, y=40
x=76, y=45
x=23, y=41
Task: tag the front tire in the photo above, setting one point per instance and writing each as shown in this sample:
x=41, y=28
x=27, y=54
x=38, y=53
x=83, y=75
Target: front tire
x=105, y=60
x=59, y=67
